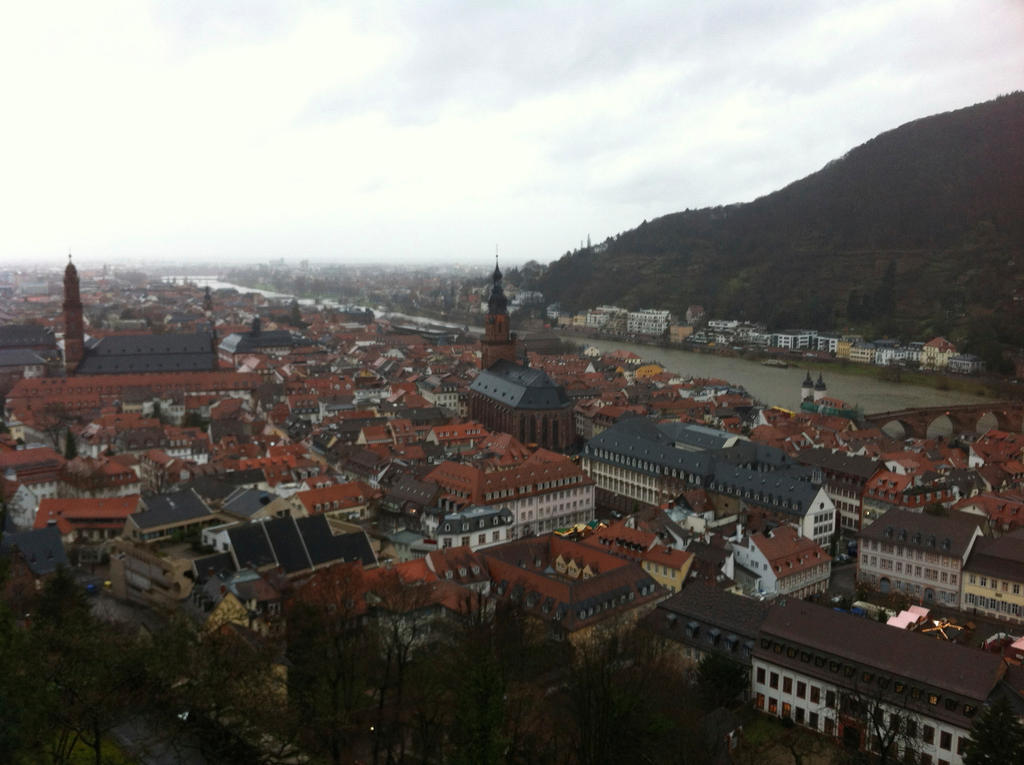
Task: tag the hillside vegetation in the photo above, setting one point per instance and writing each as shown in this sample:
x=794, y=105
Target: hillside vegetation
x=917, y=232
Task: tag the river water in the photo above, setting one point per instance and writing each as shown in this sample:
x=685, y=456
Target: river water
x=781, y=387
x=777, y=387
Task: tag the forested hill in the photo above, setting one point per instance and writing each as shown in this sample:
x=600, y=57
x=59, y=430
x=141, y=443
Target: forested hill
x=911, y=232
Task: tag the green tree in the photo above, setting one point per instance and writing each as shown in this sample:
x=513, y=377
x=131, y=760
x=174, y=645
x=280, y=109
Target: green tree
x=997, y=736
x=329, y=651
x=20, y=698
x=477, y=736
x=89, y=672
x=70, y=445
x=720, y=681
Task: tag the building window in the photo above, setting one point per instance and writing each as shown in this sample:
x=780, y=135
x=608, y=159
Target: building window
x=801, y=689
x=787, y=685
x=773, y=680
x=945, y=740
x=928, y=734
x=760, y=675
x=812, y=720
x=815, y=694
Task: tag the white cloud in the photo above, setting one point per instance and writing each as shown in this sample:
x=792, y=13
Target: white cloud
x=396, y=131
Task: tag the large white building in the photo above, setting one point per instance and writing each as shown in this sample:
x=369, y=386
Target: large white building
x=919, y=555
x=639, y=460
x=648, y=321
x=871, y=686
x=784, y=562
x=472, y=527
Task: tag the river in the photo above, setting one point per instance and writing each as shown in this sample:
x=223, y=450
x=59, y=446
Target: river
x=778, y=387
x=781, y=387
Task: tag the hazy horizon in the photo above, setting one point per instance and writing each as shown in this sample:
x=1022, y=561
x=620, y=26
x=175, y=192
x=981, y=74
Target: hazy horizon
x=236, y=133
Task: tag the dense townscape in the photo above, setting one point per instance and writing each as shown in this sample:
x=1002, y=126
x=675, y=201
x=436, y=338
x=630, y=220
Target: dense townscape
x=264, y=532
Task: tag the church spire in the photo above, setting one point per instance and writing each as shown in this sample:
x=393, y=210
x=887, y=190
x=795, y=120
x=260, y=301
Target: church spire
x=497, y=303
x=498, y=341
x=74, y=323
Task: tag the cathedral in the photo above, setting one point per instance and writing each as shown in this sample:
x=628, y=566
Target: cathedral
x=128, y=354
x=511, y=397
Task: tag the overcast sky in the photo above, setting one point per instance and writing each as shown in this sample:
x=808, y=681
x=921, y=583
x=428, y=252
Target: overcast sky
x=206, y=130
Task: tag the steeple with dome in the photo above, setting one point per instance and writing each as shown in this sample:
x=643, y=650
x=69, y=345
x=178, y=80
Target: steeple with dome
x=820, y=388
x=807, y=388
x=497, y=303
x=498, y=341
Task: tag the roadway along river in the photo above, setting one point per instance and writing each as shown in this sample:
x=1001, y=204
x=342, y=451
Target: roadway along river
x=781, y=387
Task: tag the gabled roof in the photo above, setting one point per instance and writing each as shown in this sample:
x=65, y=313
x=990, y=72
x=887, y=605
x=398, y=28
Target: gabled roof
x=940, y=664
x=132, y=354
x=173, y=507
x=297, y=544
x=42, y=549
x=1002, y=558
x=19, y=357
x=70, y=513
x=788, y=553
x=247, y=502
x=21, y=335
x=944, y=536
x=710, y=604
x=519, y=387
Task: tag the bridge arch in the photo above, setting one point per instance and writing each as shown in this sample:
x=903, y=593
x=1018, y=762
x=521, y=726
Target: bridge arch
x=941, y=427
x=898, y=429
x=986, y=422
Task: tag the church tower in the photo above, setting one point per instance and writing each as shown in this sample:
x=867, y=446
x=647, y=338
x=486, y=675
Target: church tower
x=498, y=342
x=74, y=324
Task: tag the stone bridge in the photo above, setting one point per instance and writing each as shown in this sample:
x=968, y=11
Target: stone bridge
x=950, y=421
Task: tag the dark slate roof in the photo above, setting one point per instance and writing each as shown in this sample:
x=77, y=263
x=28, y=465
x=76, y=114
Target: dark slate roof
x=24, y=335
x=922, y=531
x=432, y=415
x=173, y=507
x=289, y=547
x=640, y=438
x=209, y=566
x=751, y=454
x=1002, y=558
x=248, y=502
x=42, y=549
x=296, y=544
x=220, y=486
x=837, y=462
x=788, y=490
x=940, y=664
x=251, y=546
x=19, y=357
x=695, y=437
x=326, y=547
x=520, y=387
x=408, y=489
x=708, y=603
x=171, y=352
x=255, y=342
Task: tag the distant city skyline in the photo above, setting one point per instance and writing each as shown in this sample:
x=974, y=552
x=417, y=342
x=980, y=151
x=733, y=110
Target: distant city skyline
x=235, y=133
